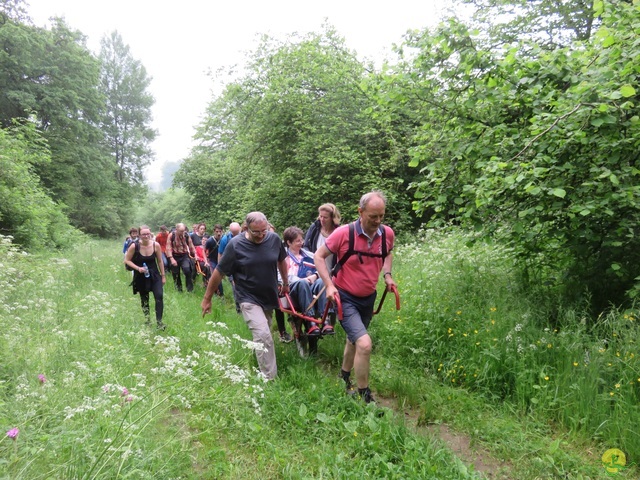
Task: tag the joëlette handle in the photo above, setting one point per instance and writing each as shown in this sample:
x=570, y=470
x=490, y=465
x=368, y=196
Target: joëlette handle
x=395, y=292
x=338, y=303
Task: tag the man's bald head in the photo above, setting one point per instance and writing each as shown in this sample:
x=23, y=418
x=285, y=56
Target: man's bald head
x=234, y=228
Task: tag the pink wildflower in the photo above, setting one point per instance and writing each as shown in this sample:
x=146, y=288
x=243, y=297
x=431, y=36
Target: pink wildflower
x=125, y=392
x=129, y=398
x=13, y=433
x=42, y=378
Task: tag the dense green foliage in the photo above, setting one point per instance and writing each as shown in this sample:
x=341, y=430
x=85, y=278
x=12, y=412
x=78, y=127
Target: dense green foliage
x=26, y=211
x=466, y=322
x=521, y=122
x=49, y=78
x=536, y=145
x=293, y=133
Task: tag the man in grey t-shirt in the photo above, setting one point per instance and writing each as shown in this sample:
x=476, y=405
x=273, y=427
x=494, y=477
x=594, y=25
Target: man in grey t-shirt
x=253, y=258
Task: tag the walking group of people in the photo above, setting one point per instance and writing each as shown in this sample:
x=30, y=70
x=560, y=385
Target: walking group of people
x=330, y=260
x=185, y=254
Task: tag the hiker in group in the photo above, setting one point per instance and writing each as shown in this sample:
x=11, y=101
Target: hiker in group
x=198, y=232
x=202, y=263
x=211, y=252
x=144, y=257
x=254, y=258
x=180, y=252
x=363, y=249
x=133, y=237
x=161, y=238
x=234, y=229
x=328, y=220
x=305, y=284
x=197, y=236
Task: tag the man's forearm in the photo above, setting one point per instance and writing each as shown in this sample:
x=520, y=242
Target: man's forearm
x=321, y=267
x=168, y=250
x=388, y=264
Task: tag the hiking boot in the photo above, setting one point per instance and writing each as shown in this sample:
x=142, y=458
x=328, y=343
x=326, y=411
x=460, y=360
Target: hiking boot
x=365, y=394
x=350, y=389
x=161, y=326
x=285, y=337
x=346, y=377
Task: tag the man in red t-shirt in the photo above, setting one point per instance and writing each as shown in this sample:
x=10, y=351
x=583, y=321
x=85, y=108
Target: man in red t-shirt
x=161, y=238
x=356, y=283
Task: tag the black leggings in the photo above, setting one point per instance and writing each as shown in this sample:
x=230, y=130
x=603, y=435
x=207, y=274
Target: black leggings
x=158, y=296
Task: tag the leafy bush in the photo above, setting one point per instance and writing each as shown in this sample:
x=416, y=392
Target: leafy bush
x=26, y=210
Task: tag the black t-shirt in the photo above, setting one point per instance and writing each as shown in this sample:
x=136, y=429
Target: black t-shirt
x=212, y=247
x=254, y=267
x=196, y=239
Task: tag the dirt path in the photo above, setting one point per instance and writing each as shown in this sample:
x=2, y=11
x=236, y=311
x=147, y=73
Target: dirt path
x=459, y=443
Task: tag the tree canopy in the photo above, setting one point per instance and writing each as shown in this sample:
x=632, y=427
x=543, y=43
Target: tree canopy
x=536, y=145
x=294, y=132
x=127, y=117
x=520, y=122
x=48, y=78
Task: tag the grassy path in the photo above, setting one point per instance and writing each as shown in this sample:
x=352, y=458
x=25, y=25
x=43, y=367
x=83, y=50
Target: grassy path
x=122, y=400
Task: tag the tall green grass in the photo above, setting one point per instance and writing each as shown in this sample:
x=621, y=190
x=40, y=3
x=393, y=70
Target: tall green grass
x=119, y=399
x=96, y=393
x=466, y=321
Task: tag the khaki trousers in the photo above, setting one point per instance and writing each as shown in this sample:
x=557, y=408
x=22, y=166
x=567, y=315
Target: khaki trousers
x=259, y=322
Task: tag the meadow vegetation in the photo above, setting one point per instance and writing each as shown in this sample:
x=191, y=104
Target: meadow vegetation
x=87, y=390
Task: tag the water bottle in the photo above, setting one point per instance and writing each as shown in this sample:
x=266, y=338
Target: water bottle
x=146, y=270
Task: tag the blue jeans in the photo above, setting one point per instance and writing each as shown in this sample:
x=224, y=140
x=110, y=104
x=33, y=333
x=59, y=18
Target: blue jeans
x=212, y=267
x=302, y=293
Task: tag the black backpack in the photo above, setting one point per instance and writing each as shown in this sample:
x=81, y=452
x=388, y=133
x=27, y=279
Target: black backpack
x=135, y=255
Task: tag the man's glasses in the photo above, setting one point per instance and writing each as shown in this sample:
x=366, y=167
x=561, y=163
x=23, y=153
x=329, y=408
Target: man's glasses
x=258, y=233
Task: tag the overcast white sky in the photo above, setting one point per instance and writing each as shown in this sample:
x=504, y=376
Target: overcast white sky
x=178, y=42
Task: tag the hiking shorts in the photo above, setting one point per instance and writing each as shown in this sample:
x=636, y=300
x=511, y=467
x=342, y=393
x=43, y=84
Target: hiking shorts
x=356, y=314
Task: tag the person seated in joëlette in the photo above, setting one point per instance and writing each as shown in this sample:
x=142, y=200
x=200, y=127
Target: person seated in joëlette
x=304, y=282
